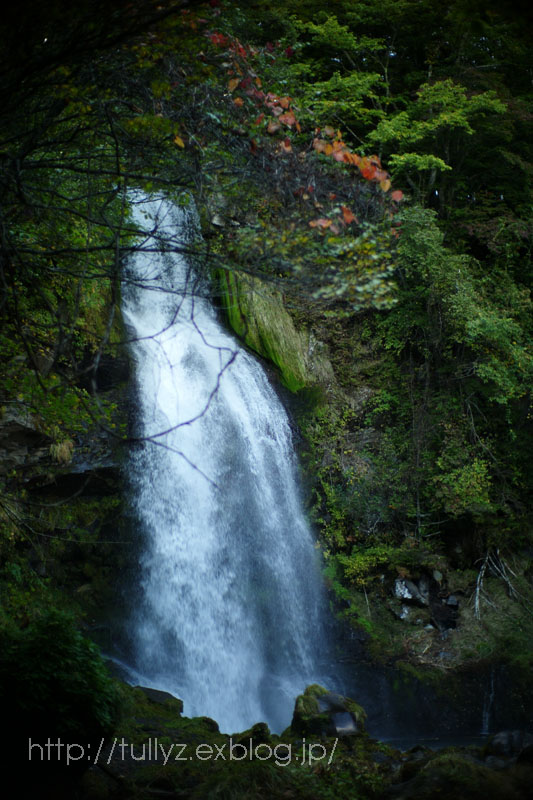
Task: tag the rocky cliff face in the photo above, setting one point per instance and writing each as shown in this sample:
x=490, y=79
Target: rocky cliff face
x=256, y=312
x=412, y=602
x=61, y=504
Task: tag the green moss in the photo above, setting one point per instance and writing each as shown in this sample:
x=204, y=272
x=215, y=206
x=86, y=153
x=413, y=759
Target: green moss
x=452, y=776
x=307, y=703
x=256, y=313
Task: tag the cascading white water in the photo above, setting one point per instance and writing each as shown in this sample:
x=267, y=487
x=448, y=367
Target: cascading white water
x=230, y=616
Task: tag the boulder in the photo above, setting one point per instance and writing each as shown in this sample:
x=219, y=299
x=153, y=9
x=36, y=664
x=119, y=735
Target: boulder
x=162, y=698
x=405, y=589
x=318, y=712
x=508, y=744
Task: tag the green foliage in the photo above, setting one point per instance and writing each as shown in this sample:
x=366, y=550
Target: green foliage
x=54, y=681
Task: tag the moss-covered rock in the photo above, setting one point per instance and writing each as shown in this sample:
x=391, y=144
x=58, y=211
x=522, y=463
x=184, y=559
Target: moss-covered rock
x=255, y=311
x=318, y=712
x=450, y=776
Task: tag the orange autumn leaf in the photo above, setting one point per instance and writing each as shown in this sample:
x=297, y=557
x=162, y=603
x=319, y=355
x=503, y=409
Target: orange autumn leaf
x=322, y=223
x=347, y=215
x=352, y=158
x=232, y=84
x=284, y=102
x=239, y=101
x=273, y=126
x=288, y=118
x=319, y=145
x=338, y=155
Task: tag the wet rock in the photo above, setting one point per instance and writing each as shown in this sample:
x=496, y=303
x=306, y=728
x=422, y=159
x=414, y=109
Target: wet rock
x=423, y=588
x=452, y=601
x=162, y=698
x=344, y=723
x=110, y=373
x=257, y=734
x=508, y=744
x=210, y=724
x=405, y=589
x=21, y=442
x=443, y=616
x=321, y=713
x=453, y=776
x=402, y=612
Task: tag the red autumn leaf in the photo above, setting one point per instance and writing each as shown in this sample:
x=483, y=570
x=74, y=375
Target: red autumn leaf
x=258, y=120
x=253, y=146
x=218, y=39
x=286, y=146
x=289, y=51
x=397, y=196
x=347, y=215
x=368, y=172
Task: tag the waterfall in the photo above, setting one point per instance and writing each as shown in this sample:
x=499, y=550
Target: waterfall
x=229, y=615
x=488, y=703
